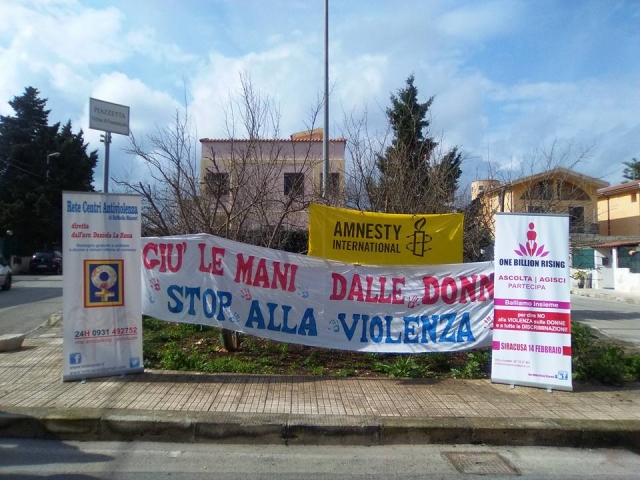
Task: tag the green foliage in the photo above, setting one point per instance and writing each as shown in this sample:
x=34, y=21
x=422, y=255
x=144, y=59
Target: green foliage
x=312, y=360
x=402, y=367
x=602, y=363
x=582, y=337
x=173, y=357
x=413, y=178
x=230, y=364
x=185, y=347
x=632, y=170
x=318, y=370
x=633, y=367
x=475, y=367
x=31, y=180
x=437, y=362
x=595, y=360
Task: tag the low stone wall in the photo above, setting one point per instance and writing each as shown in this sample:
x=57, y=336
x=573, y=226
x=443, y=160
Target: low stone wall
x=19, y=265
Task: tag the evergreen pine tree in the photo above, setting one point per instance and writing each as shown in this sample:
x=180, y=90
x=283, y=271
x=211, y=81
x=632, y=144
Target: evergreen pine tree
x=31, y=182
x=632, y=172
x=413, y=179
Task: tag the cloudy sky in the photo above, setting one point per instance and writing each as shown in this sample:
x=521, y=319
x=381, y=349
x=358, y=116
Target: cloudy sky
x=509, y=77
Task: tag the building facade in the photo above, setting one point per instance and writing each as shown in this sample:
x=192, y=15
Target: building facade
x=269, y=183
x=619, y=209
x=557, y=191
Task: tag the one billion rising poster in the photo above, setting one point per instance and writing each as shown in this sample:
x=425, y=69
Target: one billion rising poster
x=532, y=309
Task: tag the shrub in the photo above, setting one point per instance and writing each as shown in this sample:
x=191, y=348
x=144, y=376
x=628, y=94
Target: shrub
x=437, y=362
x=633, y=367
x=173, y=357
x=475, y=367
x=402, y=367
x=595, y=360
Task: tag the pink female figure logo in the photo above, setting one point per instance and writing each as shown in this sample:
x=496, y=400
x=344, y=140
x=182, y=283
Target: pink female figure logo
x=531, y=248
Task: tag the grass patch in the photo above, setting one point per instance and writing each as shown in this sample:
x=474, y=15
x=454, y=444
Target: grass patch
x=184, y=347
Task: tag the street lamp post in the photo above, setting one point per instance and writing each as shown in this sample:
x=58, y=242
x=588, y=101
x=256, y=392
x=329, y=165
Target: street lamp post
x=50, y=155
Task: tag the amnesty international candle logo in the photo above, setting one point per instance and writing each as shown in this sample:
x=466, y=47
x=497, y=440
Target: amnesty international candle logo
x=103, y=283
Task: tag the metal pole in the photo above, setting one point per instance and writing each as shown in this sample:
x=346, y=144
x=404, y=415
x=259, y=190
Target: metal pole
x=325, y=135
x=107, y=141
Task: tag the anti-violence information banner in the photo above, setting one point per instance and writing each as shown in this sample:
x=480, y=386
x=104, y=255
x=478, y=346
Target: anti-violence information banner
x=384, y=239
x=102, y=331
x=202, y=279
x=532, y=317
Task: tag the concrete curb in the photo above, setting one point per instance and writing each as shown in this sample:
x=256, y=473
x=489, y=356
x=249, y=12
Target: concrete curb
x=616, y=297
x=54, y=320
x=200, y=427
x=11, y=341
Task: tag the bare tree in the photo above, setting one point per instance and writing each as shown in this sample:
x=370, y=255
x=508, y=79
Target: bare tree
x=548, y=181
x=237, y=194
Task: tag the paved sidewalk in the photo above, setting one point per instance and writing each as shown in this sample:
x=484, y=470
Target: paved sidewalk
x=188, y=407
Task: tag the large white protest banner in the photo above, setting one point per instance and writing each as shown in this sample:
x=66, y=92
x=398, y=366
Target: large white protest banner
x=102, y=330
x=208, y=280
x=532, y=319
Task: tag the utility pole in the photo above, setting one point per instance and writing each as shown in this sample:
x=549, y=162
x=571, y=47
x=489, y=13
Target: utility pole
x=325, y=134
x=106, y=139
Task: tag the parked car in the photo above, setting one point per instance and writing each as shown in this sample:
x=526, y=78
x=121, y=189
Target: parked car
x=5, y=274
x=43, y=262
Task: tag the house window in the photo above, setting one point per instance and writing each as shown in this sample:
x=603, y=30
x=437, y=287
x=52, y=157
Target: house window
x=218, y=183
x=543, y=190
x=333, y=185
x=634, y=197
x=583, y=259
x=534, y=209
x=576, y=220
x=294, y=184
x=629, y=257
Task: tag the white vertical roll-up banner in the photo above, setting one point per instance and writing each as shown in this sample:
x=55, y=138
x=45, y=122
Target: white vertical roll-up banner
x=532, y=301
x=102, y=313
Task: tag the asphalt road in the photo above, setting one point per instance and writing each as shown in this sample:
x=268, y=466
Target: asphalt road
x=30, y=302
x=611, y=318
x=141, y=460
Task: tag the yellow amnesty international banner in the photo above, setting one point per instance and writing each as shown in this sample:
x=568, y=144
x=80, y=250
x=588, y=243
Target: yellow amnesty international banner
x=384, y=238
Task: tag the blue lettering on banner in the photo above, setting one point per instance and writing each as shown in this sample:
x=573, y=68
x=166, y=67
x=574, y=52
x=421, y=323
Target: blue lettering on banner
x=279, y=320
x=421, y=329
x=449, y=327
x=212, y=302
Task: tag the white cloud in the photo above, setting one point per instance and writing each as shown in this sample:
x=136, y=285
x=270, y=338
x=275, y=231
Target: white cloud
x=478, y=21
x=149, y=109
x=499, y=110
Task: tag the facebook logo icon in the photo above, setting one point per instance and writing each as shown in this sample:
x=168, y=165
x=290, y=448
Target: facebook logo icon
x=75, y=358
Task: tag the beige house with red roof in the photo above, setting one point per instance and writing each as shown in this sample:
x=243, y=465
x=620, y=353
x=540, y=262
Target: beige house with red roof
x=280, y=175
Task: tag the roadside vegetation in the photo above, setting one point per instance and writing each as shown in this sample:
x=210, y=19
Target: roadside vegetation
x=197, y=348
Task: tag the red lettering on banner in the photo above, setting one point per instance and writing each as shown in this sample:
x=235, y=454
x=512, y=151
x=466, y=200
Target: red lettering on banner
x=373, y=291
x=265, y=275
x=162, y=255
x=478, y=289
x=549, y=322
x=214, y=264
